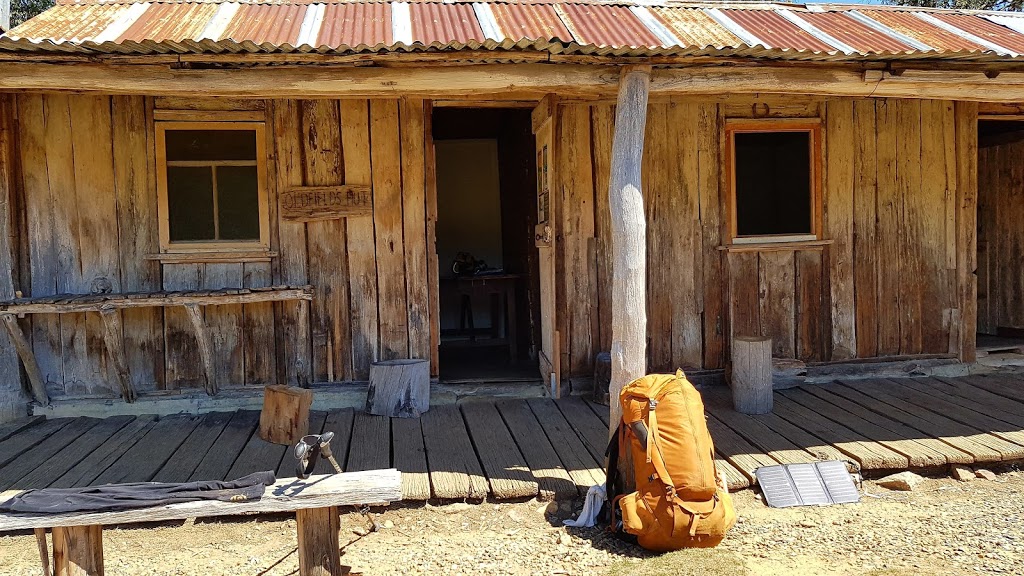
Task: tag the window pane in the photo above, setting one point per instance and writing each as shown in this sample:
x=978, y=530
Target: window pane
x=211, y=145
x=190, y=203
x=238, y=202
x=773, y=183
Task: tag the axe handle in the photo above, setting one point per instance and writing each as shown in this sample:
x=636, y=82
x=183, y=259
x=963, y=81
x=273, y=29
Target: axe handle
x=330, y=458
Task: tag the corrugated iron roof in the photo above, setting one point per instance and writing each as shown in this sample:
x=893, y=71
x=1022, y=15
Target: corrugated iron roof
x=602, y=27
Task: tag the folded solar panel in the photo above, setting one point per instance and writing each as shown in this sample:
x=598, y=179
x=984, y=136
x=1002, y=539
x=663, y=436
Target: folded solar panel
x=817, y=484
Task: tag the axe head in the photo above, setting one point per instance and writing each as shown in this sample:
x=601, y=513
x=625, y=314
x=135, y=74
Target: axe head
x=308, y=451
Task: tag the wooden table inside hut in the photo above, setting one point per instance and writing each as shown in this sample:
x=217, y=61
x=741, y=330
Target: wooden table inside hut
x=501, y=290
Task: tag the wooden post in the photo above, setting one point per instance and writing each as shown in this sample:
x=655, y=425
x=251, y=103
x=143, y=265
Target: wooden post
x=399, y=388
x=28, y=358
x=113, y=337
x=317, y=531
x=629, y=237
x=752, y=374
x=285, y=415
x=78, y=551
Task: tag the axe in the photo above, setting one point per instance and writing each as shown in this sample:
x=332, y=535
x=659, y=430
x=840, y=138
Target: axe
x=309, y=449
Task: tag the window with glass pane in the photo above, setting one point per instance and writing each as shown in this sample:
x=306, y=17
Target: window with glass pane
x=212, y=185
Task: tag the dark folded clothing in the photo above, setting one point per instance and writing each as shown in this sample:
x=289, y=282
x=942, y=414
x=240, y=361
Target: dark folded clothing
x=113, y=497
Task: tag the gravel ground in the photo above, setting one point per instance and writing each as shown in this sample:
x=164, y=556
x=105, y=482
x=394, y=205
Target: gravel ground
x=942, y=527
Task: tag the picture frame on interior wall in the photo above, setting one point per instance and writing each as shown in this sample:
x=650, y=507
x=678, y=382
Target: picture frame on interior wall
x=256, y=246
x=774, y=196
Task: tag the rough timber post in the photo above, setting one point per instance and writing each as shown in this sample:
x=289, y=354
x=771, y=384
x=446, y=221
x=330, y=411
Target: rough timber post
x=629, y=237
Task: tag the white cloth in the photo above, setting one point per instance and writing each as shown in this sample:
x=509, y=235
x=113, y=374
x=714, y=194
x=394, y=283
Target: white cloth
x=596, y=496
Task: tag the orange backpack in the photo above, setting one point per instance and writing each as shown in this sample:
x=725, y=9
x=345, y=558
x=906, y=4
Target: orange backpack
x=681, y=501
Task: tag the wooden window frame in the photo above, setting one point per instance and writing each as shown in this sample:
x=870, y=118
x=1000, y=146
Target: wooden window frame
x=198, y=247
x=812, y=126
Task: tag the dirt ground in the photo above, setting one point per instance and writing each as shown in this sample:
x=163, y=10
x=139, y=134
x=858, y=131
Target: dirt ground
x=942, y=527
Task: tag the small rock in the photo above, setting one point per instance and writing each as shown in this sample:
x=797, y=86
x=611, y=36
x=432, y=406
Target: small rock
x=808, y=523
x=985, y=474
x=962, y=473
x=564, y=539
x=903, y=481
x=388, y=524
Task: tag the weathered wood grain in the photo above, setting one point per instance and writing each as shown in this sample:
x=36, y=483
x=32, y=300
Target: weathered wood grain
x=744, y=314
x=736, y=450
x=591, y=429
x=231, y=442
x=552, y=478
x=224, y=325
x=865, y=238
x=318, y=541
x=657, y=192
x=370, y=447
x=24, y=440
x=410, y=457
x=966, y=114
x=183, y=366
x=259, y=343
x=714, y=283
x=362, y=262
x=908, y=187
x=686, y=290
x=889, y=215
x=602, y=126
x=143, y=460
x=777, y=301
x=962, y=388
x=287, y=468
x=205, y=344
x=43, y=451
x=28, y=358
x=11, y=404
x=838, y=225
x=88, y=468
x=113, y=338
x=1010, y=414
x=582, y=467
x=455, y=470
x=507, y=472
x=430, y=167
x=201, y=442
x=810, y=317
x=759, y=435
x=11, y=428
x=414, y=221
x=258, y=455
x=338, y=421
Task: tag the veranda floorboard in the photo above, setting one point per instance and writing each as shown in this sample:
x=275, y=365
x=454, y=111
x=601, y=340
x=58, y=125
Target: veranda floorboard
x=410, y=458
x=371, y=443
x=577, y=460
x=287, y=468
x=1006, y=387
x=757, y=433
x=506, y=469
x=44, y=451
x=977, y=399
x=734, y=479
x=455, y=471
x=192, y=451
x=736, y=450
x=11, y=428
x=588, y=426
x=552, y=478
x=148, y=455
x=870, y=455
x=601, y=410
x=998, y=435
x=339, y=421
x=930, y=449
x=917, y=454
x=216, y=464
x=12, y=447
x=61, y=462
x=87, y=469
x=952, y=433
x=258, y=455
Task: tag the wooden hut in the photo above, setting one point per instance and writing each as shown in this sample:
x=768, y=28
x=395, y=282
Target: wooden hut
x=221, y=195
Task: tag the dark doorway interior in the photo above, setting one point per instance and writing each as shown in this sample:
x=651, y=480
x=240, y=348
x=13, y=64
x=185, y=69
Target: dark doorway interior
x=486, y=196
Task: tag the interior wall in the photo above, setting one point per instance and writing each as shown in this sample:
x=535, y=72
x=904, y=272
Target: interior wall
x=889, y=276
x=88, y=179
x=1000, y=233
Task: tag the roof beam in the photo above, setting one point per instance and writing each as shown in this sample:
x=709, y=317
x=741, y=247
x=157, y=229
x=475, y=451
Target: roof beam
x=504, y=81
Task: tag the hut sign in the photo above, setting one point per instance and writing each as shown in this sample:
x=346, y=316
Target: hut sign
x=311, y=203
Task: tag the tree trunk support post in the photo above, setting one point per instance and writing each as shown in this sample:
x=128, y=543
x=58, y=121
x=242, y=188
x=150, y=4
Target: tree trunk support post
x=629, y=238
x=78, y=551
x=318, y=534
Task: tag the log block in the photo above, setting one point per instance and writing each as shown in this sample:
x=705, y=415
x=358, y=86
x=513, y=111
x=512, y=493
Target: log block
x=78, y=551
x=317, y=532
x=602, y=377
x=752, y=374
x=788, y=373
x=285, y=416
x=399, y=388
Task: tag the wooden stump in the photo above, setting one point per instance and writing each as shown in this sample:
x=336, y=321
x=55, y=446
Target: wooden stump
x=78, y=551
x=752, y=374
x=317, y=532
x=399, y=388
x=602, y=377
x=788, y=373
x=285, y=416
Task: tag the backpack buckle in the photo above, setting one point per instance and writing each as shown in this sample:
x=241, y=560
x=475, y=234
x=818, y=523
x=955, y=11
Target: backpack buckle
x=652, y=403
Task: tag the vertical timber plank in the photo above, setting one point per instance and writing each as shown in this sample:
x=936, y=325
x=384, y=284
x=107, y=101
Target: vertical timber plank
x=890, y=229
x=966, y=223
x=908, y=188
x=602, y=125
x=930, y=211
x=744, y=315
x=259, y=366
x=433, y=284
x=865, y=242
x=776, y=270
x=838, y=224
x=414, y=224
x=686, y=284
x=11, y=398
x=224, y=324
x=657, y=190
x=183, y=365
x=708, y=146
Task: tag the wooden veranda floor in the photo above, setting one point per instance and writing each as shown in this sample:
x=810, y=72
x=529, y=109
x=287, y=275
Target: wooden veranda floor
x=522, y=448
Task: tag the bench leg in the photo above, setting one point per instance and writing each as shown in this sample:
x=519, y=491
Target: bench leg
x=318, y=530
x=78, y=551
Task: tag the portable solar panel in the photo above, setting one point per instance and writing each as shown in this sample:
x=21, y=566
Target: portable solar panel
x=817, y=484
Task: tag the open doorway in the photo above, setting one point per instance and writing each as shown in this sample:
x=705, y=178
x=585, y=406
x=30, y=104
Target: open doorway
x=1000, y=237
x=487, y=262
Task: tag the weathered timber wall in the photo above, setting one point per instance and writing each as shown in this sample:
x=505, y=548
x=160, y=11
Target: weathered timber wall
x=88, y=175
x=1000, y=237
x=894, y=277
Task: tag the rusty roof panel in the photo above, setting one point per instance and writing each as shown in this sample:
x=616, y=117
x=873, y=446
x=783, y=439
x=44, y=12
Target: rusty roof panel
x=776, y=31
x=985, y=29
x=907, y=23
x=856, y=34
x=355, y=25
x=69, y=23
x=532, y=21
x=694, y=27
x=266, y=24
x=169, y=22
x=444, y=23
x=606, y=25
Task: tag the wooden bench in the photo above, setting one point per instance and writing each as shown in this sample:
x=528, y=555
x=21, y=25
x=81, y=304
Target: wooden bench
x=108, y=304
x=78, y=537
